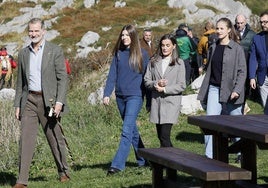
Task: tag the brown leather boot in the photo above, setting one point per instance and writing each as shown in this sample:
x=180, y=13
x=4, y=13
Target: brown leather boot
x=18, y=185
x=64, y=178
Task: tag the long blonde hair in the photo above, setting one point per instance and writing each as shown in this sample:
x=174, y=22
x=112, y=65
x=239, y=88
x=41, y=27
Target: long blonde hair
x=135, y=58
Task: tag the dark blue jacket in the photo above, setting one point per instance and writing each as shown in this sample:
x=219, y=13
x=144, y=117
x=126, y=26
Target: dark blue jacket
x=258, y=58
x=123, y=78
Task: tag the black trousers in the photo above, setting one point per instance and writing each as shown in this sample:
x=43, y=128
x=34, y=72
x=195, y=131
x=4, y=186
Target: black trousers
x=163, y=133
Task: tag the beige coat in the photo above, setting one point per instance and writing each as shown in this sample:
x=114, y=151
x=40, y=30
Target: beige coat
x=165, y=107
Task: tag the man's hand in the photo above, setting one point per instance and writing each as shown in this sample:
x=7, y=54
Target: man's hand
x=17, y=113
x=252, y=83
x=57, y=109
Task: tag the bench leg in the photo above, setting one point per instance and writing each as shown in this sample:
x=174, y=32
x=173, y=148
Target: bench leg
x=157, y=175
x=249, y=159
x=171, y=174
x=220, y=148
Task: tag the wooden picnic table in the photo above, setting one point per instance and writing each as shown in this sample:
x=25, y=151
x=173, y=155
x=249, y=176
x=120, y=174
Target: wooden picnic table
x=252, y=129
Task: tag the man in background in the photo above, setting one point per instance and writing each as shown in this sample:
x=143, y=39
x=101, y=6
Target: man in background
x=187, y=49
x=258, y=61
x=7, y=65
x=246, y=35
x=146, y=42
x=203, y=45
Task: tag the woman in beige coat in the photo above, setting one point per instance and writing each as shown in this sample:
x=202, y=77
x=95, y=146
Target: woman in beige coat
x=165, y=77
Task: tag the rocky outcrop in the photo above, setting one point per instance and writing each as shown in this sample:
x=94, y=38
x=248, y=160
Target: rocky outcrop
x=194, y=14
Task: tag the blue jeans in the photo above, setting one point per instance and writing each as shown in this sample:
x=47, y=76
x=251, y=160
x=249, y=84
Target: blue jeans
x=129, y=108
x=214, y=107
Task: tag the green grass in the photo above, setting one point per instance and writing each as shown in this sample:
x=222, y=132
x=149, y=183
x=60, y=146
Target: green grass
x=93, y=133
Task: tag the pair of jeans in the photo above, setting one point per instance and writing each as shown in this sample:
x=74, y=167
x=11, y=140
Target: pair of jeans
x=214, y=107
x=129, y=108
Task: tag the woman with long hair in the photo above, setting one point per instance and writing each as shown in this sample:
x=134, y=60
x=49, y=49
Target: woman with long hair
x=126, y=76
x=165, y=78
x=223, y=88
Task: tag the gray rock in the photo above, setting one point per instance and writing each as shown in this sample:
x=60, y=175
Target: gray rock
x=193, y=14
x=90, y=3
x=96, y=97
x=119, y=4
x=190, y=105
x=90, y=38
x=7, y=94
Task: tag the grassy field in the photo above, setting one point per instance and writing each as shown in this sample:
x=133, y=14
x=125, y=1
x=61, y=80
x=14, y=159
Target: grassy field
x=93, y=134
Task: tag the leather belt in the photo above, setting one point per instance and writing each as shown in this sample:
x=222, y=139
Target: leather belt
x=36, y=92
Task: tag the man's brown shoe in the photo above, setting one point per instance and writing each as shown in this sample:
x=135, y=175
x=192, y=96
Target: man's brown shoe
x=64, y=178
x=18, y=185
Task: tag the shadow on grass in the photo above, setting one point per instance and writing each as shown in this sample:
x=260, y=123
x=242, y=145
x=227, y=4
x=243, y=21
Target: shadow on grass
x=182, y=181
x=190, y=137
x=140, y=186
x=104, y=166
x=264, y=178
x=7, y=178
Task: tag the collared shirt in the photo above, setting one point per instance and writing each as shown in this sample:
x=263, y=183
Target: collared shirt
x=242, y=32
x=149, y=43
x=35, y=68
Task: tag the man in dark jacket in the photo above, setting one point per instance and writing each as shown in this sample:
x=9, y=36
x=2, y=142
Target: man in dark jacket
x=258, y=61
x=146, y=42
x=246, y=35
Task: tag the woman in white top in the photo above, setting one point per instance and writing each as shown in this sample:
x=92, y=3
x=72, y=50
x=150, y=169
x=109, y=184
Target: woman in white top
x=165, y=77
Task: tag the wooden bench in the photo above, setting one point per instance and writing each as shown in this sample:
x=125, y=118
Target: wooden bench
x=212, y=173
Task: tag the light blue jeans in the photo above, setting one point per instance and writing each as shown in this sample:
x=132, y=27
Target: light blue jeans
x=216, y=108
x=129, y=108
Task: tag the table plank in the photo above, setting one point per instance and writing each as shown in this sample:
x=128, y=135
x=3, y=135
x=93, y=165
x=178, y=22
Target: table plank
x=254, y=127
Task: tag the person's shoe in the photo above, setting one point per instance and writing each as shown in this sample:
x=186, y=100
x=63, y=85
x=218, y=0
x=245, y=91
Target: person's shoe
x=246, y=108
x=146, y=164
x=112, y=171
x=18, y=185
x=64, y=178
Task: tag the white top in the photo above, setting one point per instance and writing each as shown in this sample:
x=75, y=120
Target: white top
x=165, y=63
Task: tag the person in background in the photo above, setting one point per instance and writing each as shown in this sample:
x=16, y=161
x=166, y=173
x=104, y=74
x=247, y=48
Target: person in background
x=147, y=41
x=165, y=77
x=186, y=50
x=245, y=35
x=7, y=64
x=223, y=88
x=195, y=59
x=126, y=76
x=41, y=77
x=258, y=61
x=202, y=46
